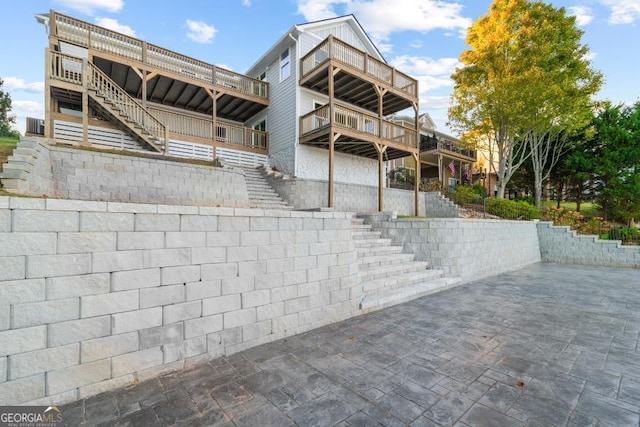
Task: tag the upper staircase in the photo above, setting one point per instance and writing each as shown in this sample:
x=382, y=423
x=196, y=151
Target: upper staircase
x=110, y=99
x=261, y=194
x=387, y=275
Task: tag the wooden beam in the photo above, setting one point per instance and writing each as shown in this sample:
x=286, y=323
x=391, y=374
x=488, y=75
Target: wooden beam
x=85, y=102
x=151, y=74
x=416, y=158
x=380, y=149
x=331, y=134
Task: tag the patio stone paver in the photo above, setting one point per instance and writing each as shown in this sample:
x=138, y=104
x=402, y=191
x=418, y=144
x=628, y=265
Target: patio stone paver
x=550, y=345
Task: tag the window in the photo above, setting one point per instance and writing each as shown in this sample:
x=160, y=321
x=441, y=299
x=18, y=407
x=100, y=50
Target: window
x=262, y=126
x=263, y=76
x=285, y=65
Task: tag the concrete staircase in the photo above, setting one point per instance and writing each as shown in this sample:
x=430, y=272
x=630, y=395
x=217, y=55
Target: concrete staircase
x=261, y=194
x=387, y=275
x=15, y=172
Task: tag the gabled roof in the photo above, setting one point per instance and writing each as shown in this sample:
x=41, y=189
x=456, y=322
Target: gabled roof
x=354, y=24
x=285, y=40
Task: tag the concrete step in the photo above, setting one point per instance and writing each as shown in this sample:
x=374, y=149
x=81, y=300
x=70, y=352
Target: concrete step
x=264, y=196
x=361, y=227
x=386, y=271
x=382, y=259
x=365, y=234
x=378, y=250
x=13, y=173
x=399, y=280
x=376, y=301
x=367, y=243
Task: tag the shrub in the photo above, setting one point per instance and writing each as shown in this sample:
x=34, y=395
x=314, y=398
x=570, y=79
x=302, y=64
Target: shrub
x=464, y=195
x=510, y=209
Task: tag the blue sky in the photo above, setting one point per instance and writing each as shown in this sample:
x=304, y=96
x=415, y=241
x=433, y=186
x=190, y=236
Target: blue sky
x=421, y=37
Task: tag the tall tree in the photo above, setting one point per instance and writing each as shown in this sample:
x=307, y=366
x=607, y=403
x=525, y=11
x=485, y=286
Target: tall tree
x=6, y=119
x=524, y=83
x=613, y=155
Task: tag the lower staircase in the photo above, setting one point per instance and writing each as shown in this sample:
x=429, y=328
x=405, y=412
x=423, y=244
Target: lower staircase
x=261, y=194
x=387, y=275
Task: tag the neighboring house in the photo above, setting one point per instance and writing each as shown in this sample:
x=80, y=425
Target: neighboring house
x=445, y=161
x=315, y=106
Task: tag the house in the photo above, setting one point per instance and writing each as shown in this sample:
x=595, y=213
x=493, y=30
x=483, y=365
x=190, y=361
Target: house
x=445, y=161
x=331, y=95
x=317, y=106
x=109, y=90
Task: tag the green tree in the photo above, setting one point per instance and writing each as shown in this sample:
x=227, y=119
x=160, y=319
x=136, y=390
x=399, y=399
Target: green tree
x=613, y=154
x=524, y=86
x=6, y=119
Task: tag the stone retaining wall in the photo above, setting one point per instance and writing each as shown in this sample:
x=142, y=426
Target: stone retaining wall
x=562, y=245
x=466, y=248
x=310, y=194
x=96, y=295
x=70, y=173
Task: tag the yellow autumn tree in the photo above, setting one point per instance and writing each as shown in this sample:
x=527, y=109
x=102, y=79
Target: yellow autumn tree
x=524, y=85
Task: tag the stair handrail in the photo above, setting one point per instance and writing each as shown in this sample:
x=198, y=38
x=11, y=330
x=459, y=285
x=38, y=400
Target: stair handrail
x=107, y=88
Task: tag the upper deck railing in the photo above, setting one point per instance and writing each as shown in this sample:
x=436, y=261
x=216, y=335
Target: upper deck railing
x=333, y=48
x=369, y=125
x=91, y=36
x=428, y=143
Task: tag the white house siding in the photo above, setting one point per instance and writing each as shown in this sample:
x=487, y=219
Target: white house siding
x=341, y=30
x=313, y=163
x=282, y=115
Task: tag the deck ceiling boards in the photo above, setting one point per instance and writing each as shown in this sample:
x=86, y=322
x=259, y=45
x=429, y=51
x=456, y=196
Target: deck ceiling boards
x=356, y=91
x=179, y=94
x=65, y=95
x=361, y=149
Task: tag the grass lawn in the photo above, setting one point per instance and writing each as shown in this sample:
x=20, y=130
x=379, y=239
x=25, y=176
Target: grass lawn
x=6, y=148
x=587, y=209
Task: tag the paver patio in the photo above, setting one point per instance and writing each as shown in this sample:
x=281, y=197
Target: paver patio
x=547, y=345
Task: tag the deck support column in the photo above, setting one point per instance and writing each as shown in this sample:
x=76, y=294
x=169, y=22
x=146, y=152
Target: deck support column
x=416, y=208
x=48, y=123
x=332, y=135
x=85, y=102
x=380, y=149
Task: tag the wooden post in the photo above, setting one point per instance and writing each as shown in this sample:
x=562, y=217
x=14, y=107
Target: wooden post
x=85, y=102
x=48, y=123
x=416, y=158
x=144, y=89
x=331, y=133
x=381, y=150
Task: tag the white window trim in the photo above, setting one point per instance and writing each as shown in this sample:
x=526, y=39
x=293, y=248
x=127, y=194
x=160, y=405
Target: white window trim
x=288, y=62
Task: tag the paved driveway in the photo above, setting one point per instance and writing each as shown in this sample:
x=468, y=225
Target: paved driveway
x=546, y=345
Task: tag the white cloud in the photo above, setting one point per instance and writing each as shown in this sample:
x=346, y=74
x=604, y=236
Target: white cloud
x=114, y=25
x=200, y=32
x=623, y=11
x=246, y=3
x=381, y=18
x=434, y=103
x=420, y=65
x=16, y=83
x=88, y=7
x=24, y=109
x=315, y=10
x=583, y=14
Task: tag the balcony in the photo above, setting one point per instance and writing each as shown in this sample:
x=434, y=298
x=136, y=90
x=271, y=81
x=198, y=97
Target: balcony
x=437, y=143
x=358, y=77
x=357, y=131
x=173, y=77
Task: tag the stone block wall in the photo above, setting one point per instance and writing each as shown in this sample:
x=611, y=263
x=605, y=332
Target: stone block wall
x=466, y=248
x=310, y=194
x=96, y=295
x=562, y=245
x=70, y=173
